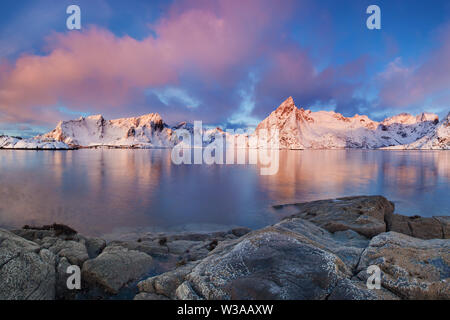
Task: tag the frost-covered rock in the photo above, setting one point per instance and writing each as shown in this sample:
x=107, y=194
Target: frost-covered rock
x=298, y=258
x=27, y=272
x=322, y=252
x=293, y=259
x=348, y=289
x=272, y=263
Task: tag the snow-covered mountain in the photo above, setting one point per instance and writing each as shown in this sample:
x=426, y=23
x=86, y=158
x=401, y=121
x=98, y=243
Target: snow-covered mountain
x=304, y=129
x=7, y=142
x=296, y=128
x=436, y=139
x=148, y=131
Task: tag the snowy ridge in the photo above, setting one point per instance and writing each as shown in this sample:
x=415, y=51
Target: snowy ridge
x=7, y=142
x=304, y=129
x=296, y=128
x=148, y=131
x=438, y=139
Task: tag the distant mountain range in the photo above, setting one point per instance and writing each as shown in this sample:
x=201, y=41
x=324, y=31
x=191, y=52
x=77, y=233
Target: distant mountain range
x=297, y=129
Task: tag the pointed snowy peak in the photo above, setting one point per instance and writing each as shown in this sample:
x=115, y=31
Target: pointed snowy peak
x=427, y=116
x=288, y=105
x=151, y=117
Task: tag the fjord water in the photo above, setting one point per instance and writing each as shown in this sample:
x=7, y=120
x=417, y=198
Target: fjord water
x=107, y=191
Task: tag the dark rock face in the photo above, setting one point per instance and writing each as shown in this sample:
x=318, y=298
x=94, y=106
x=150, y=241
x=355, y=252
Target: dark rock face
x=58, y=229
x=368, y=216
x=131, y=133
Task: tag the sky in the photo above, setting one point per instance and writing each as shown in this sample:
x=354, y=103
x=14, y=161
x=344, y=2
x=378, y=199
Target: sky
x=226, y=62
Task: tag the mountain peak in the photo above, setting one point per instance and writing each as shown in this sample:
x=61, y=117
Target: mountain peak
x=286, y=107
x=288, y=103
x=95, y=117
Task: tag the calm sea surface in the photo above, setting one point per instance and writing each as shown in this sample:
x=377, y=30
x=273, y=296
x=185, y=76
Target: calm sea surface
x=101, y=192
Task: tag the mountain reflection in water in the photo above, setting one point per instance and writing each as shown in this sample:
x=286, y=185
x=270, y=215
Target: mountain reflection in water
x=104, y=191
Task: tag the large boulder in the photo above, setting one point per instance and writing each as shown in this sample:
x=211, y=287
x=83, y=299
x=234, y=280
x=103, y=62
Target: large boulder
x=165, y=284
x=27, y=272
x=271, y=263
x=347, y=245
x=294, y=259
x=411, y=268
x=115, y=267
x=94, y=246
x=367, y=215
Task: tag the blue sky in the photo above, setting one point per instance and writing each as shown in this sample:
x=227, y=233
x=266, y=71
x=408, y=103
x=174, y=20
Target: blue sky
x=225, y=62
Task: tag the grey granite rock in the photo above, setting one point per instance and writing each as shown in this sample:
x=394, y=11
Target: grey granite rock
x=347, y=289
x=347, y=245
x=62, y=292
x=27, y=272
x=149, y=296
x=271, y=263
x=367, y=215
x=94, y=246
x=411, y=268
x=115, y=267
x=166, y=284
x=75, y=252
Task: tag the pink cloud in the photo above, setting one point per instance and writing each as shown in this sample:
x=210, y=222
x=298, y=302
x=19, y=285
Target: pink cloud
x=292, y=72
x=95, y=68
x=406, y=85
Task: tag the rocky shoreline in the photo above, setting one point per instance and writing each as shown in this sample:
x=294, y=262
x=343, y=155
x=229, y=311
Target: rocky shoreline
x=321, y=252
